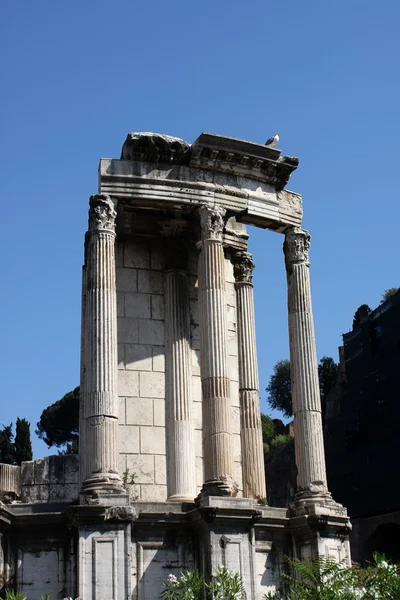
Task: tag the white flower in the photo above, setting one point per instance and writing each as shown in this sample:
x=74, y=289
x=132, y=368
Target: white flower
x=172, y=578
x=384, y=564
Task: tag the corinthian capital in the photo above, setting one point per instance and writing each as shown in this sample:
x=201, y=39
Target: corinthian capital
x=296, y=246
x=243, y=266
x=212, y=222
x=102, y=213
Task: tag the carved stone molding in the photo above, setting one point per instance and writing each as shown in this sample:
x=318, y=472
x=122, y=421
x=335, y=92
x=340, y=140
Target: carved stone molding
x=212, y=222
x=296, y=246
x=243, y=266
x=102, y=213
x=155, y=148
x=120, y=513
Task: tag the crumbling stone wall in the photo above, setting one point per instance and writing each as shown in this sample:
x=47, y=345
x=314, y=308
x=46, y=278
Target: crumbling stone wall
x=50, y=479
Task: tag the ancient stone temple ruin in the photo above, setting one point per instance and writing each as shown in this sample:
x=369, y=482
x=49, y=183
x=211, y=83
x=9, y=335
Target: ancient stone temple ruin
x=170, y=475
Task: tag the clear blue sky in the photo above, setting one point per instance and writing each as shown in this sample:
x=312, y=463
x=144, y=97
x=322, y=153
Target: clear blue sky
x=77, y=76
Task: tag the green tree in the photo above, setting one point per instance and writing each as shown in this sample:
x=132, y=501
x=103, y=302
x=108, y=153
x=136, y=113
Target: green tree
x=388, y=293
x=268, y=431
x=7, y=448
x=280, y=387
x=23, y=445
x=361, y=314
x=328, y=372
x=59, y=423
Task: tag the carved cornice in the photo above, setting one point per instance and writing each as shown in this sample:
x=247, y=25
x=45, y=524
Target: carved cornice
x=296, y=246
x=102, y=213
x=243, y=266
x=247, y=159
x=212, y=222
x=155, y=148
x=212, y=152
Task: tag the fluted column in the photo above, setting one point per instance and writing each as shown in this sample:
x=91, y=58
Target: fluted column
x=217, y=430
x=308, y=436
x=82, y=387
x=253, y=469
x=181, y=481
x=100, y=329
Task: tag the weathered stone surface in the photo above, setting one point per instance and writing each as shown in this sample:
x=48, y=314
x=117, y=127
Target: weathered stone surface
x=100, y=405
x=250, y=427
x=217, y=427
x=190, y=324
x=310, y=454
x=50, y=479
x=180, y=455
x=155, y=148
x=10, y=480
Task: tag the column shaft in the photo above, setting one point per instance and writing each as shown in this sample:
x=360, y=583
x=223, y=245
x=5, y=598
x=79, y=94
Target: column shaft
x=309, y=445
x=253, y=468
x=82, y=387
x=217, y=430
x=100, y=390
x=180, y=444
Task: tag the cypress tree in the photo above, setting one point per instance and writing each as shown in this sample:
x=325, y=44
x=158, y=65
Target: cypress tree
x=23, y=446
x=7, y=448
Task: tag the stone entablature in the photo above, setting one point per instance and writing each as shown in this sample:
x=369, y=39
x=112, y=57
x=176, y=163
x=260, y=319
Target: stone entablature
x=248, y=183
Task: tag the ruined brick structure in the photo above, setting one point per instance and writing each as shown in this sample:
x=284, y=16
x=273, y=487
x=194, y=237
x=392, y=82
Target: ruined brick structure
x=171, y=473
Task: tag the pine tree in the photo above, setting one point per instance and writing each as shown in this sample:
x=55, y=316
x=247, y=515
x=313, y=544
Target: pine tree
x=23, y=446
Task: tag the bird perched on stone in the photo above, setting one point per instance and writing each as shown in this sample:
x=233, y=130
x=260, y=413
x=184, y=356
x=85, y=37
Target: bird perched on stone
x=272, y=142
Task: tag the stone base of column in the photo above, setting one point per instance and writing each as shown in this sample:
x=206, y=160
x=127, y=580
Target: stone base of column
x=180, y=499
x=217, y=487
x=320, y=529
x=316, y=496
x=104, y=486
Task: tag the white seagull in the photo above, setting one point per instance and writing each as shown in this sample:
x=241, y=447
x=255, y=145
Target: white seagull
x=272, y=142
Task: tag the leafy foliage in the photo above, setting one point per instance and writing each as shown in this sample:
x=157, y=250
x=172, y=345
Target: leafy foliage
x=325, y=579
x=59, y=422
x=281, y=439
x=23, y=445
x=189, y=586
x=280, y=388
x=10, y=595
x=388, y=293
x=268, y=431
x=225, y=585
x=328, y=372
x=361, y=314
x=7, y=447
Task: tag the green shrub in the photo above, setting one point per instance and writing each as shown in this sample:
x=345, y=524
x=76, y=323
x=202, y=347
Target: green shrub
x=327, y=580
x=225, y=585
